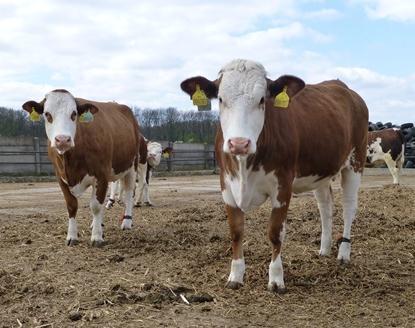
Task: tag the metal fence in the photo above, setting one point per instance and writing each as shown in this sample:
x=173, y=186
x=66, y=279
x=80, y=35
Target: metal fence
x=27, y=159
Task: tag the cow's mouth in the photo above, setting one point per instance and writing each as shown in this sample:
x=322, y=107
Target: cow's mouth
x=63, y=149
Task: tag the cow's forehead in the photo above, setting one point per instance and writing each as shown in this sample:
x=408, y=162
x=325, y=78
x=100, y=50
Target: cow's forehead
x=242, y=78
x=154, y=147
x=60, y=101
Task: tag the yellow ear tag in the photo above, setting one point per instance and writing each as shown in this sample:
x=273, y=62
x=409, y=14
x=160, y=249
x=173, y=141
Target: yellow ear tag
x=282, y=99
x=86, y=117
x=34, y=115
x=199, y=97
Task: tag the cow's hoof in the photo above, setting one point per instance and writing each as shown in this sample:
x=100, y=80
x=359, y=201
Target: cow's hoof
x=148, y=204
x=97, y=243
x=137, y=205
x=343, y=262
x=274, y=288
x=126, y=225
x=72, y=242
x=233, y=285
x=324, y=253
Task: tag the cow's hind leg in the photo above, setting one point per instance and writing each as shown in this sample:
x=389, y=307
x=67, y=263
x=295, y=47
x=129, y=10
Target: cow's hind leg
x=72, y=207
x=350, y=183
x=393, y=168
x=236, y=224
x=324, y=199
x=97, y=208
x=128, y=185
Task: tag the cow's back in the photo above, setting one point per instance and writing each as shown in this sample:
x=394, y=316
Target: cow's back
x=112, y=138
x=331, y=125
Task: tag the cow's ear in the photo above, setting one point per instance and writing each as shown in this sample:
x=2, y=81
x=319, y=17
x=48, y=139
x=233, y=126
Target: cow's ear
x=210, y=88
x=292, y=83
x=87, y=107
x=31, y=105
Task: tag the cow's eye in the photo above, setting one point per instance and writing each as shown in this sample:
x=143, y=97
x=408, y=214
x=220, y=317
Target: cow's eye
x=73, y=116
x=49, y=117
x=220, y=100
x=261, y=102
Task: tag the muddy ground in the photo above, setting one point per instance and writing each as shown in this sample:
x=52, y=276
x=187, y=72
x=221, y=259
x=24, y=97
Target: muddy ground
x=181, y=247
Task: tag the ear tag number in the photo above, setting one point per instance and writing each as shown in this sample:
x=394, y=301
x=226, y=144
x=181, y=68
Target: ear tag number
x=282, y=99
x=86, y=117
x=34, y=115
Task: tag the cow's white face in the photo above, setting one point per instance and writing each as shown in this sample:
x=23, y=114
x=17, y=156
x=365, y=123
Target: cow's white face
x=242, y=91
x=154, y=153
x=60, y=113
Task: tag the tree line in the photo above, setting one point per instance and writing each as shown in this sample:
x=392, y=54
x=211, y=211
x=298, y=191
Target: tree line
x=167, y=124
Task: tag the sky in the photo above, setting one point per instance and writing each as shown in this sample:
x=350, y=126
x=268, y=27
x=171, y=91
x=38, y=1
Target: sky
x=137, y=52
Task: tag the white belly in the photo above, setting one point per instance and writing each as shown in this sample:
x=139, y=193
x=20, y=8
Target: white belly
x=309, y=183
x=250, y=189
x=79, y=189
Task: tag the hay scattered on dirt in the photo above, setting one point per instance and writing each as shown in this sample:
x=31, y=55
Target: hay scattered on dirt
x=171, y=268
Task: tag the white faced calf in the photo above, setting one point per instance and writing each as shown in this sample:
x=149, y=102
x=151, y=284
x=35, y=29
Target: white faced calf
x=90, y=153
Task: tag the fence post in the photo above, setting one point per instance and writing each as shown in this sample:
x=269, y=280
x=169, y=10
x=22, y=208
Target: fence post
x=206, y=156
x=36, y=145
x=169, y=159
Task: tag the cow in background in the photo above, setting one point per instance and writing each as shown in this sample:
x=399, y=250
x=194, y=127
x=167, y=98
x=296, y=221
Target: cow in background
x=144, y=173
x=281, y=137
x=148, y=161
x=104, y=148
x=387, y=145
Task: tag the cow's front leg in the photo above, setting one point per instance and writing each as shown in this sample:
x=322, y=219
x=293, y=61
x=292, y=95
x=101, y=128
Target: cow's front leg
x=128, y=182
x=97, y=208
x=141, y=169
x=113, y=189
x=276, y=232
x=72, y=207
x=146, y=195
x=236, y=222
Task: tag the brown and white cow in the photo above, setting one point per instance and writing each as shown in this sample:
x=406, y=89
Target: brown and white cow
x=387, y=145
x=144, y=173
x=149, y=160
x=89, y=154
x=266, y=151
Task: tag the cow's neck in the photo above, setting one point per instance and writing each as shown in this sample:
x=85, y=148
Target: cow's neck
x=68, y=166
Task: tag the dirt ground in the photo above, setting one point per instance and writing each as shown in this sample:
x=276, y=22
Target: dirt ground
x=178, y=253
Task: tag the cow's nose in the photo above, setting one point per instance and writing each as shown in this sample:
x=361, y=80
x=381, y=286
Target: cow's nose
x=239, y=146
x=62, y=140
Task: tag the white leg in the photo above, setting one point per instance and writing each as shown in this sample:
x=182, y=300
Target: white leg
x=276, y=274
x=276, y=271
x=128, y=187
x=350, y=184
x=325, y=206
x=121, y=199
x=146, y=191
x=97, y=221
x=391, y=164
x=113, y=189
x=237, y=271
x=141, y=176
x=72, y=236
